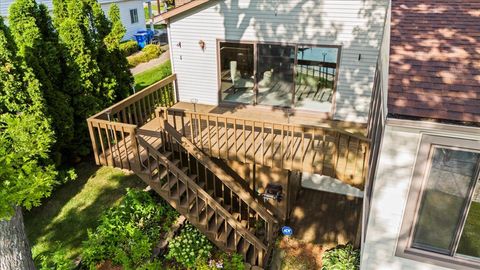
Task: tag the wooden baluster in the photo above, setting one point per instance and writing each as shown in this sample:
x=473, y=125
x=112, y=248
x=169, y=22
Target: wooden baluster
x=109, y=143
x=199, y=126
x=244, y=144
x=117, y=146
x=254, y=146
x=281, y=148
x=272, y=144
x=263, y=144
x=209, y=136
x=226, y=136
x=124, y=140
x=235, y=137
x=291, y=146
x=218, y=136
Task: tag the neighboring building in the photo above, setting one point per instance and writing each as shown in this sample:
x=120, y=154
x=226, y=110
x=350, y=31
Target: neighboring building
x=131, y=12
x=316, y=114
x=425, y=204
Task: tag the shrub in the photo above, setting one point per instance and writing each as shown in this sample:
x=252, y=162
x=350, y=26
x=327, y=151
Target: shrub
x=57, y=260
x=341, y=258
x=127, y=233
x=233, y=262
x=129, y=47
x=226, y=261
x=189, y=247
x=151, y=51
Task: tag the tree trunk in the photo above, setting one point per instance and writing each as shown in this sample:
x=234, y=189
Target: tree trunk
x=14, y=247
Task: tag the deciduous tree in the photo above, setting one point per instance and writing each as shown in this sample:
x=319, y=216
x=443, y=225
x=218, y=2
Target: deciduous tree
x=25, y=141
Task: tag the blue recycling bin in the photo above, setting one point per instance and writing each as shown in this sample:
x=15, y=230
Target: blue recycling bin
x=142, y=39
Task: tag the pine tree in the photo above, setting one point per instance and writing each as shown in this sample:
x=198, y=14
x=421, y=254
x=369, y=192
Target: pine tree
x=38, y=46
x=97, y=73
x=25, y=141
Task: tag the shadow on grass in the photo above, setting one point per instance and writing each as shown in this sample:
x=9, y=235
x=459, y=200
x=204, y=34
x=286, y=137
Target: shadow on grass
x=64, y=218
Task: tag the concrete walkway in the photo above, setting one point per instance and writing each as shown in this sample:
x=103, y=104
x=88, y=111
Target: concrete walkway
x=151, y=64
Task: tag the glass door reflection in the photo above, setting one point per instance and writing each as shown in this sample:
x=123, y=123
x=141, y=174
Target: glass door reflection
x=275, y=74
x=236, y=72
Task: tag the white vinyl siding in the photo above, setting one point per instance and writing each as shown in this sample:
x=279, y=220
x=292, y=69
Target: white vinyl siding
x=392, y=182
x=355, y=25
x=125, y=15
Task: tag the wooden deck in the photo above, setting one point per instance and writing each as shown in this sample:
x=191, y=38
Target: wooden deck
x=326, y=218
x=297, y=141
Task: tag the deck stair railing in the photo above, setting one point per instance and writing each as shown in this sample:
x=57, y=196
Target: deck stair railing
x=197, y=188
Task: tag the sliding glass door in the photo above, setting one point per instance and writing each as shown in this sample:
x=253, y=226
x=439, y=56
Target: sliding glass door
x=280, y=75
x=237, y=72
x=275, y=74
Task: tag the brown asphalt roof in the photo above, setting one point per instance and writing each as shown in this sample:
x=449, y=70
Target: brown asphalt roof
x=435, y=60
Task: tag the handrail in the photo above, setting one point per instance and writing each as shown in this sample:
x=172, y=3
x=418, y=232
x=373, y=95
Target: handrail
x=208, y=199
x=136, y=97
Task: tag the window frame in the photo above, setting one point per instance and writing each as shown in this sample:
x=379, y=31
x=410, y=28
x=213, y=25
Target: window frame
x=329, y=115
x=417, y=186
x=134, y=16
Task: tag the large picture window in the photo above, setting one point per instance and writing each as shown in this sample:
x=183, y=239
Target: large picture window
x=445, y=199
x=283, y=75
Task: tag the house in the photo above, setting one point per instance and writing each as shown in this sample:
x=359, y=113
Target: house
x=131, y=12
x=425, y=195
x=289, y=112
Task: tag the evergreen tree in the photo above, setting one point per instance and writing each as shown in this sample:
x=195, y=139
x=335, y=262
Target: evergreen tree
x=25, y=141
x=38, y=47
x=97, y=73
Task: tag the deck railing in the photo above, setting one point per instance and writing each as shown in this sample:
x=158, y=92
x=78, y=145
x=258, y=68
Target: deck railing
x=113, y=130
x=322, y=150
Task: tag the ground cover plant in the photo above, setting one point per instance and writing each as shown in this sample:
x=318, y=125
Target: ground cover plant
x=189, y=247
x=343, y=257
x=127, y=233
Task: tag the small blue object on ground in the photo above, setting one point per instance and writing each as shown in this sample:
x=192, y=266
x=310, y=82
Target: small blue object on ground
x=141, y=38
x=287, y=231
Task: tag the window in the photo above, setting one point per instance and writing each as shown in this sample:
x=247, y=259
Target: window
x=442, y=219
x=283, y=75
x=134, y=16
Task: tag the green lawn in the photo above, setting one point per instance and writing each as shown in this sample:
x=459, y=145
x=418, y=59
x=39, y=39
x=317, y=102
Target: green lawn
x=64, y=218
x=152, y=76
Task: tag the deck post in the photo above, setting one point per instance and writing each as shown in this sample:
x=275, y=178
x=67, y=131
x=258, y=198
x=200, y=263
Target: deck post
x=94, y=141
x=135, y=150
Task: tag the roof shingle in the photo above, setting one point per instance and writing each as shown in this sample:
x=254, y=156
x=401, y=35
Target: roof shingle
x=435, y=60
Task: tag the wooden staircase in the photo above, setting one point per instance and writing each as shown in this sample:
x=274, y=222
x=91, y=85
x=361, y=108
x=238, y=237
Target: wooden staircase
x=211, y=200
x=172, y=152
